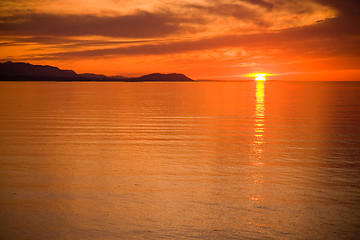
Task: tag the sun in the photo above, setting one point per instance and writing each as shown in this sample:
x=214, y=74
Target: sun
x=260, y=77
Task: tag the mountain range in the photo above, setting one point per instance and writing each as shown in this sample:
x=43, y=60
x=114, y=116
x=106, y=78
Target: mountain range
x=19, y=71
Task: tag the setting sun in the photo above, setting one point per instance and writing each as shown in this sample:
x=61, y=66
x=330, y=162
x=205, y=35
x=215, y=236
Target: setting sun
x=259, y=76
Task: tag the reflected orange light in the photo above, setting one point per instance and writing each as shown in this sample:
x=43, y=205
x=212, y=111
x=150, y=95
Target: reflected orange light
x=258, y=182
x=259, y=122
x=258, y=224
x=258, y=164
x=256, y=198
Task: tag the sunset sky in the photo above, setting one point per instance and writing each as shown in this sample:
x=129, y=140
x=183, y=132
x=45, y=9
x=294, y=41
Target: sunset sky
x=204, y=39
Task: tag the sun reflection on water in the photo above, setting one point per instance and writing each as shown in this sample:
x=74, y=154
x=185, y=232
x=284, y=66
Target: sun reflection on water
x=256, y=196
x=259, y=122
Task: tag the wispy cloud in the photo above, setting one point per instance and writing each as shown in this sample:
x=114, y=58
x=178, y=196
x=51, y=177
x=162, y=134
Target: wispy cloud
x=138, y=25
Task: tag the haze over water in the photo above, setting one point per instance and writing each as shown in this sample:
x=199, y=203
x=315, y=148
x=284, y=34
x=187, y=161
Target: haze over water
x=208, y=160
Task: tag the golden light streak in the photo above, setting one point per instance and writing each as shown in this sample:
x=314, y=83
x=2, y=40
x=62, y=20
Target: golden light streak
x=259, y=130
x=259, y=121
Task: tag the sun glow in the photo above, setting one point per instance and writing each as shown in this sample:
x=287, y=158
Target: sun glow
x=259, y=76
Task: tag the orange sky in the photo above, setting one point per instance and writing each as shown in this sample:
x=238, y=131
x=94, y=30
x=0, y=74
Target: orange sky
x=204, y=39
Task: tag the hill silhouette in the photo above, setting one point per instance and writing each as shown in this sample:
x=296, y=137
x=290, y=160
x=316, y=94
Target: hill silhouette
x=19, y=71
x=23, y=71
x=162, y=77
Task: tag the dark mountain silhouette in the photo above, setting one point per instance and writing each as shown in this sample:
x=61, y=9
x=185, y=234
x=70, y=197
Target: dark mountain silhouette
x=19, y=71
x=91, y=76
x=119, y=77
x=162, y=77
x=23, y=71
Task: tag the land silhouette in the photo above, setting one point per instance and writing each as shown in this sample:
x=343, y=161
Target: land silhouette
x=20, y=71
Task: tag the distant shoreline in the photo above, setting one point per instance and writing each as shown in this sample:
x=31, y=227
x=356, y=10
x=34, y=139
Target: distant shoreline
x=22, y=72
x=91, y=80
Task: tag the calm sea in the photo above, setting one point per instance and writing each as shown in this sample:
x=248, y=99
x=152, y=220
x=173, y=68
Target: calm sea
x=208, y=160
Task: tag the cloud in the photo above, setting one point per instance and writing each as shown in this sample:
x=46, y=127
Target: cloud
x=70, y=42
x=185, y=19
x=268, y=5
x=139, y=25
x=237, y=11
x=315, y=40
x=346, y=7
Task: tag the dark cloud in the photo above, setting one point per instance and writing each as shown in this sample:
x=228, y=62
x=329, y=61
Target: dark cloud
x=348, y=7
x=261, y=3
x=322, y=39
x=236, y=11
x=345, y=25
x=65, y=42
x=268, y=4
x=139, y=25
x=349, y=10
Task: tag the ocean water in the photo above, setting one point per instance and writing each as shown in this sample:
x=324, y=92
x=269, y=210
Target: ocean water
x=191, y=160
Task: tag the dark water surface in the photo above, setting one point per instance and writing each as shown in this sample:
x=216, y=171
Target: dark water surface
x=210, y=160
